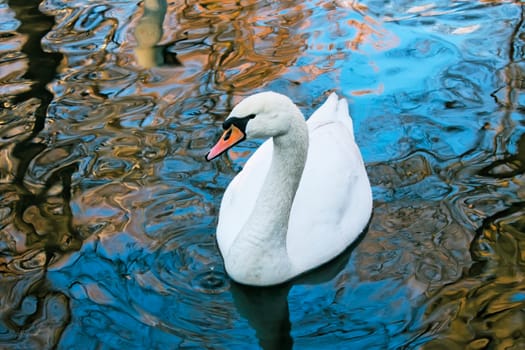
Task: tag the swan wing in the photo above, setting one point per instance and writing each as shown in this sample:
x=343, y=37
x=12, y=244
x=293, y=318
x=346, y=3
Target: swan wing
x=333, y=203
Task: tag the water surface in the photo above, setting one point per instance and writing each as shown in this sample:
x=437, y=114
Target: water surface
x=108, y=208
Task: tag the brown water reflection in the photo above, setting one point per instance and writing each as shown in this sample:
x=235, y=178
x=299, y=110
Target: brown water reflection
x=108, y=209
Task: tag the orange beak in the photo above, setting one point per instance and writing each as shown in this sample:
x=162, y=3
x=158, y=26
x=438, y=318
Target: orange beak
x=232, y=136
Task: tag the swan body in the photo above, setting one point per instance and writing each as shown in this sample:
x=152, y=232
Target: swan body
x=302, y=197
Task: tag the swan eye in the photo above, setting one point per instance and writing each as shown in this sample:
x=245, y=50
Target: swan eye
x=227, y=134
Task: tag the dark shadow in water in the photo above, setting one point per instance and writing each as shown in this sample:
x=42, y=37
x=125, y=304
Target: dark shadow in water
x=42, y=217
x=483, y=243
x=49, y=216
x=41, y=70
x=266, y=308
x=509, y=166
x=46, y=215
x=45, y=219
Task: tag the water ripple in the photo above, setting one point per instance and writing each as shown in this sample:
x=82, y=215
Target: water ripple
x=108, y=208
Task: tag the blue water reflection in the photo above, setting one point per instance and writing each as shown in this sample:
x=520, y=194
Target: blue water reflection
x=108, y=209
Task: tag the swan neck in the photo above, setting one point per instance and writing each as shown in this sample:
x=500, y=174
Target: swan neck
x=262, y=240
x=269, y=220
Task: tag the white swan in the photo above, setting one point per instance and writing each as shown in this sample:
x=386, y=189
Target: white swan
x=303, y=196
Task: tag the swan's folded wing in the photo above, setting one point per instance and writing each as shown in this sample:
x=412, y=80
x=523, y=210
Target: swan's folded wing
x=333, y=202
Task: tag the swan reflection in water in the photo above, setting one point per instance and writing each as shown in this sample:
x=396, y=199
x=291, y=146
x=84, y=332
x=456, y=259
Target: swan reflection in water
x=266, y=308
x=148, y=33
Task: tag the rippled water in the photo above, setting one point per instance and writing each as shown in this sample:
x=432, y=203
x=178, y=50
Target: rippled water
x=108, y=208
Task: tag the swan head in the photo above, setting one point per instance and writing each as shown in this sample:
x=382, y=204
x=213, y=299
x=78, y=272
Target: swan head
x=263, y=115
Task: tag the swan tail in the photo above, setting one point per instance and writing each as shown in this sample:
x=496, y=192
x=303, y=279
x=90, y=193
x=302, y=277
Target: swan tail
x=333, y=110
x=327, y=110
x=343, y=115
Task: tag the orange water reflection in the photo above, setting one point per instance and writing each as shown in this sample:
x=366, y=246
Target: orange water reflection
x=108, y=207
